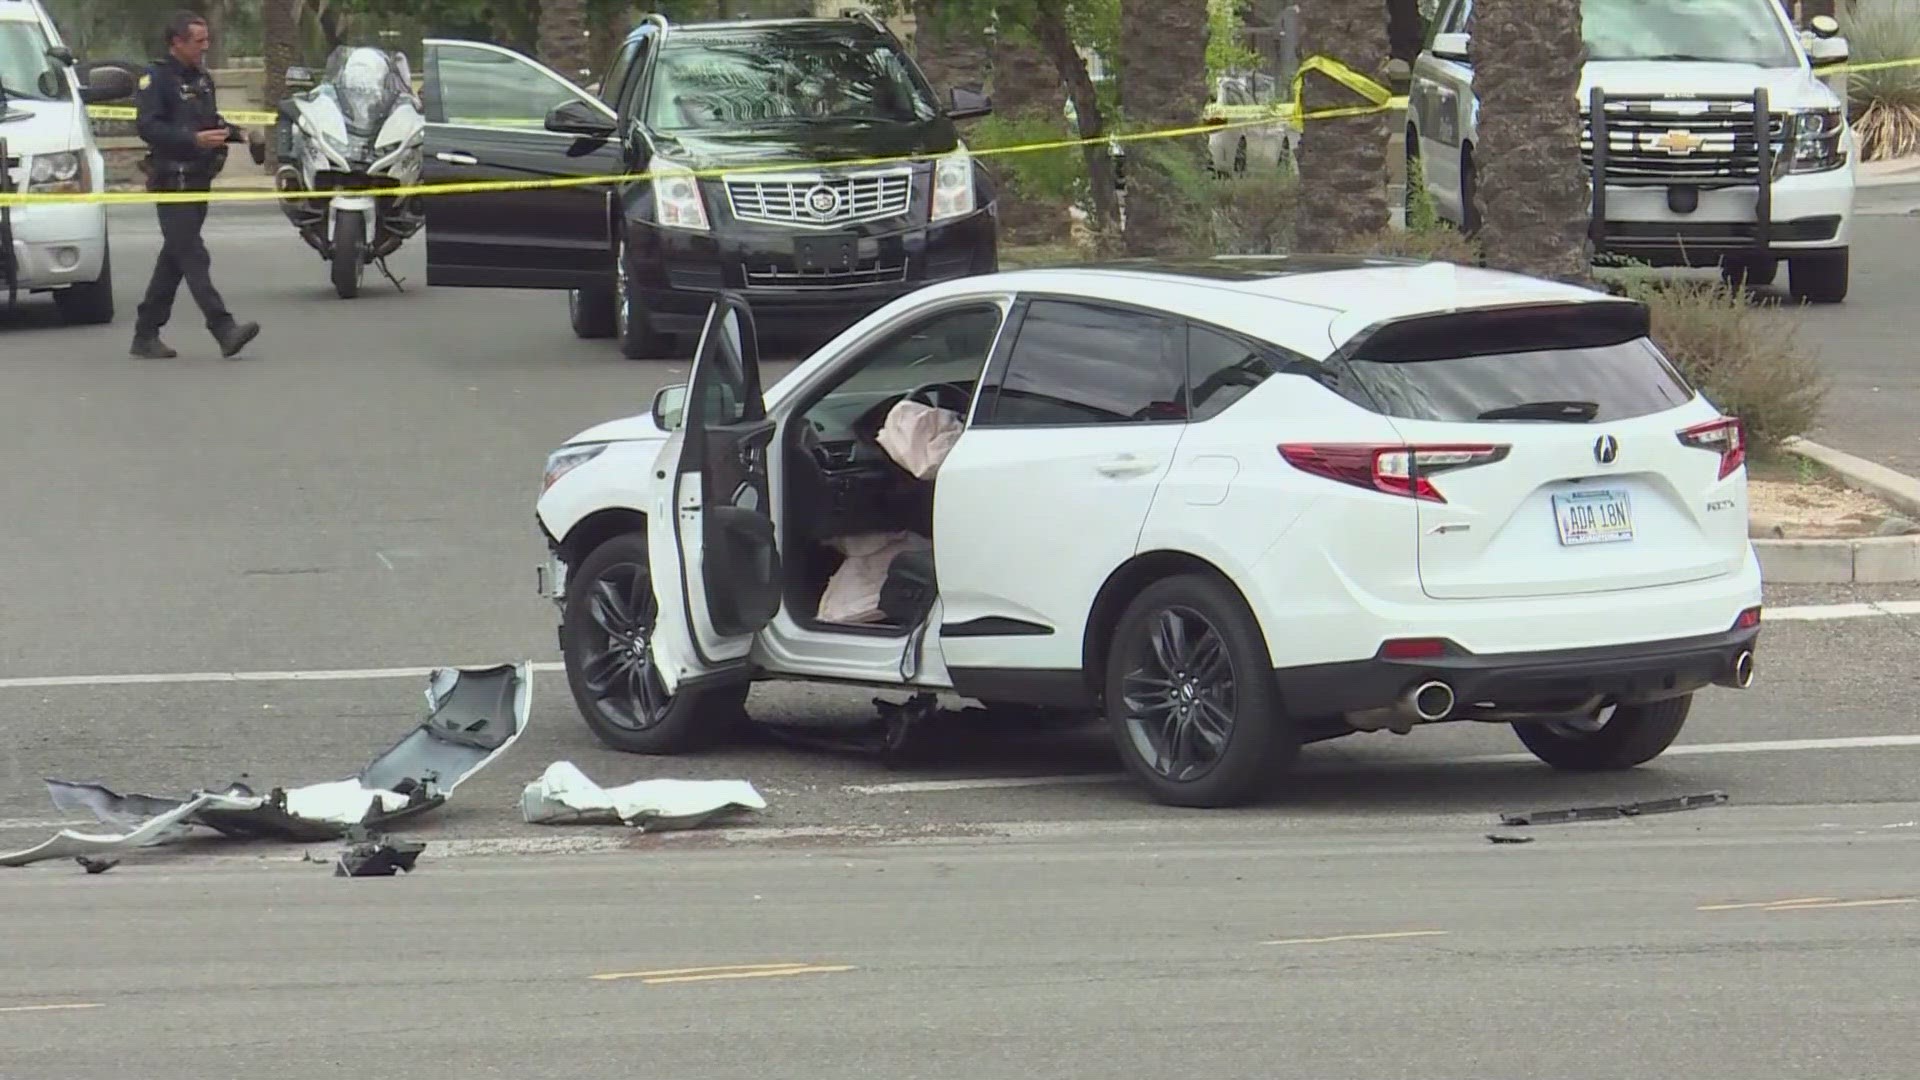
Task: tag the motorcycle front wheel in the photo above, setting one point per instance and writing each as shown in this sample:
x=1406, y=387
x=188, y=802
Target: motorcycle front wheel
x=349, y=261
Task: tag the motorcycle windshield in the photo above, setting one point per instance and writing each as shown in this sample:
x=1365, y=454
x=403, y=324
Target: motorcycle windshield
x=367, y=86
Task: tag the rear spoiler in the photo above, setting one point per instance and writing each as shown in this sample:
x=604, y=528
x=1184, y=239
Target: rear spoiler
x=1485, y=331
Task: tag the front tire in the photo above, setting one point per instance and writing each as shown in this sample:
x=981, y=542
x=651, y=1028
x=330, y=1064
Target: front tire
x=1190, y=696
x=607, y=636
x=1632, y=736
x=591, y=311
x=1752, y=273
x=89, y=303
x=1819, y=279
x=630, y=326
x=349, y=264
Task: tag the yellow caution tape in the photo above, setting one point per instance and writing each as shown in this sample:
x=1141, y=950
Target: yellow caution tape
x=128, y=112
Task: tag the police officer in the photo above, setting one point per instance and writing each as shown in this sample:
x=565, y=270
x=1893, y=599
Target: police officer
x=187, y=147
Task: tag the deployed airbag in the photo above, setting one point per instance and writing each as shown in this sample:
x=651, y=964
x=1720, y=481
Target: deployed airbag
x=473, y=716
x=919, y=437
x=853, y=593
x=564, y=794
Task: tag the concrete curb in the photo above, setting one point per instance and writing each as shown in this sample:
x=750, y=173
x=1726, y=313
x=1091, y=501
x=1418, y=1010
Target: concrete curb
x=1876, y=560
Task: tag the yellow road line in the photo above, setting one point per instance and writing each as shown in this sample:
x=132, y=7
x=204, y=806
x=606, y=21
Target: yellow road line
x=1358, y=937
x=1850, y=904
x=1767, y=903
x=49, y=1008
x=726, y=971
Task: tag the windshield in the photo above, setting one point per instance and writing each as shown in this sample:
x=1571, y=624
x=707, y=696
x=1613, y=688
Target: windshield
x=1727, y=31
x=25, y=69
x=366, y=83
x=717, y=80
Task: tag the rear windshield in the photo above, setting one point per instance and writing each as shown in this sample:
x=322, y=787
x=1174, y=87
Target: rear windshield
x=1582, y=384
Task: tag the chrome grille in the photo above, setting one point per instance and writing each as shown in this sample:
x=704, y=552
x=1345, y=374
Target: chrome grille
x=816, y=201
x=786, y=278
x=1716, y=136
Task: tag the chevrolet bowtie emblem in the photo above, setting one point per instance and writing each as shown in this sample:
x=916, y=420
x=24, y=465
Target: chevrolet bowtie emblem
x=1678, y=143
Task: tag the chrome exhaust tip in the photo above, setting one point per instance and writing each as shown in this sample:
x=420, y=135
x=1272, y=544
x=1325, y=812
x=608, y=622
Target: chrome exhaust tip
x=1743, y=669
x=1430, y=701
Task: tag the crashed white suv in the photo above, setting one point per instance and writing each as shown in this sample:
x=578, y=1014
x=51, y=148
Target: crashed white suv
x=1719, y=144
x=1240, y=505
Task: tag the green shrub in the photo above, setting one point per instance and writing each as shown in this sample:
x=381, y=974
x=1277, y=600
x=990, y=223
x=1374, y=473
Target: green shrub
x=1885, y=103
x=1243, y=215
x=1746, y=359
x=1055, y=177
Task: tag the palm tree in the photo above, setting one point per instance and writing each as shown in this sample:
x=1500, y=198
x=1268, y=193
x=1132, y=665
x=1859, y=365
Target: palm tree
x=1531, y=187
x=953, y=51
x=1343, y=160
x=280, y=43
x=1027, y=86
x=1163, y=65
x=563, y=37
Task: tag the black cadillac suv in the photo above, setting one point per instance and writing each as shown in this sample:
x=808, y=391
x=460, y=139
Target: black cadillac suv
x=803, y=162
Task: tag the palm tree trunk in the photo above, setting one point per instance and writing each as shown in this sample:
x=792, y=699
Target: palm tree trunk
x=1163, y=57
x=562, y=37
x=953, y=52
x=1531, y=186
x=1343, y=161
x=280, y=44
x=1026, y=86
x=1049, y=27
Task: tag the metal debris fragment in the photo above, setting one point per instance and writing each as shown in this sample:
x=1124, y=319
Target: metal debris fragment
x=563, y=794
x=1620, y=810
x=1506, y=838
x=379, y=858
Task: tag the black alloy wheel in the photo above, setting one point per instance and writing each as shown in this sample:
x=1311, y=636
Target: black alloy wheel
x=618, y=670
x=1179, y=697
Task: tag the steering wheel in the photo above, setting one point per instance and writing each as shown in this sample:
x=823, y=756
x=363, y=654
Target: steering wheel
x=930, y=394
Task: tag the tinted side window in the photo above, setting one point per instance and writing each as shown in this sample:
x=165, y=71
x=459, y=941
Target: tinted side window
x=1221, y=369
x=1601, y=383
x=1083, y=364
x=616, y=76
x=483, y=88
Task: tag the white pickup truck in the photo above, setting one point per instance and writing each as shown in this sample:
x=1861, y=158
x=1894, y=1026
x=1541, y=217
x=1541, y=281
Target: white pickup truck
x=1718, y=145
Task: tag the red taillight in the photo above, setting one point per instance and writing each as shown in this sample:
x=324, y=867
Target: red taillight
x=1748, y=619
x=1418, y=648
x=1394, y=469
x=1726, y=436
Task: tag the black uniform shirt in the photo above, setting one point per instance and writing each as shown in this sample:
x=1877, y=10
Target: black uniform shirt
x=175, y=102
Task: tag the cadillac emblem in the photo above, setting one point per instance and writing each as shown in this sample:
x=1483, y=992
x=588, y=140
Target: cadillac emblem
x=823, y=202
x=1677, y=143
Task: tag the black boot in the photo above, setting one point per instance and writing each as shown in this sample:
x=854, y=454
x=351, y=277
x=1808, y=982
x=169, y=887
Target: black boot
x=234, y=336
x=150, y=347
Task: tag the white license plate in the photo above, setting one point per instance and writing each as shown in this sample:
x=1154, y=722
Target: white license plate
x=1593, y=517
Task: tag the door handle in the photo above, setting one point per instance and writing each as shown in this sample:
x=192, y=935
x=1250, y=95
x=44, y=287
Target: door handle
x=454, y=157
x=1126, y=465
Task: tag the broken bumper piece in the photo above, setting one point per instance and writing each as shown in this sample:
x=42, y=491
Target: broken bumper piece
x=564, y=794
x=473, y=716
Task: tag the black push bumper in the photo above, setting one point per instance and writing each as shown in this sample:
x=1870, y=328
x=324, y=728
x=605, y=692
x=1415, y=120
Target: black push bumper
x=1532, y=682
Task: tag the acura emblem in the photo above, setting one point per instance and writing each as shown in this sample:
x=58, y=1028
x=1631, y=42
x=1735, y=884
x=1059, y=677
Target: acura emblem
x=1605, y=449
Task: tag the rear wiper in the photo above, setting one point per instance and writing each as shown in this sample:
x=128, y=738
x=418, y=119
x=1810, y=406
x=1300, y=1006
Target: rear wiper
x=1570, y=411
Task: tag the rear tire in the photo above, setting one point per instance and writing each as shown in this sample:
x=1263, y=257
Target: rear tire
x=89, y=303
x=348, y=262
x=1190, y=696
x=1632, y=736
x=1819, y=279
x=612, y=588
x=592, y=312
x=1469, y=214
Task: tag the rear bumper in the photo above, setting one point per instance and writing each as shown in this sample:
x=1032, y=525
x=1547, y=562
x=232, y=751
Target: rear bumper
x=1551, y=681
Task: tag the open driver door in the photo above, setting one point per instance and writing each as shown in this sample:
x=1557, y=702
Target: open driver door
x=714, y=561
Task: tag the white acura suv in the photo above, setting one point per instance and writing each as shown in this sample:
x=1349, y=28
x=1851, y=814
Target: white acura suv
x=1238, y=505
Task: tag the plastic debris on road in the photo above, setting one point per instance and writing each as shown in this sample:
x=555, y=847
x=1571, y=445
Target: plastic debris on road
x=564, y=795
x=473, y=716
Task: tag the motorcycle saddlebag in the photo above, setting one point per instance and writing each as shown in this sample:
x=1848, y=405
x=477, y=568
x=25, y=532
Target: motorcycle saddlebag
x=907, y=594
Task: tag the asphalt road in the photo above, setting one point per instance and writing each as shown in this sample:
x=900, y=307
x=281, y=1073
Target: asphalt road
x=358, y=495
x=1659, y=947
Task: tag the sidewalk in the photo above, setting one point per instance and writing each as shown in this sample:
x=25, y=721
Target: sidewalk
x=1905, y=170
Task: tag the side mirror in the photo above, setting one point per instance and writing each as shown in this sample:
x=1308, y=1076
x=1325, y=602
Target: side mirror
x=966, y=104
x=576, y=117
x=61, y=54
x=1828, y=50
x=1451, y=47
x=107, y=83
x=1824, y=26
x=669, y=403
x=299, y=77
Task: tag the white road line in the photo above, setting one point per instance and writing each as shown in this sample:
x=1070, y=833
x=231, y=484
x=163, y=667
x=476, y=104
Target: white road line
x=50, y=1008
x=1859, y=742
x=1802, y=613
x=917, y=787
x=1358, y=937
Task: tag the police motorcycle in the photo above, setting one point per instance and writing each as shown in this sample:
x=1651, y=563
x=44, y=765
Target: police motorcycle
x=360, y=130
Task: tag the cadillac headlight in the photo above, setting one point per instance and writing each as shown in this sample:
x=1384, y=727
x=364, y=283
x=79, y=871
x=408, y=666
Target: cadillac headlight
x=57, y=173
x=568, y=458
x=1813, y=142
x=676, y=197
x=953, y=194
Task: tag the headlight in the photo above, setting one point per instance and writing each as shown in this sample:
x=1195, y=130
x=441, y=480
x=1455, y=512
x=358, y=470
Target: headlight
x=62, y=172
x=676, y=198
x=1813, y=139
x=568, y=458
x=953, y=185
